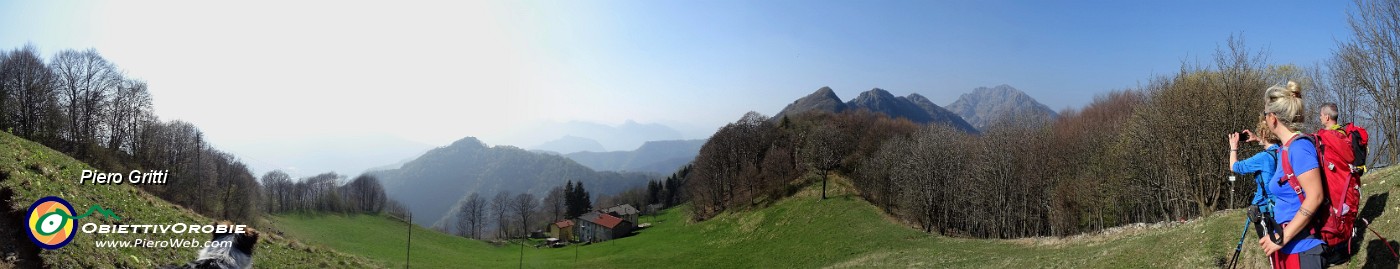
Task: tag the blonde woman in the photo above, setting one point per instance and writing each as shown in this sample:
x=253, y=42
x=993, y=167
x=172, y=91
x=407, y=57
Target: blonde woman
x=1294, y=205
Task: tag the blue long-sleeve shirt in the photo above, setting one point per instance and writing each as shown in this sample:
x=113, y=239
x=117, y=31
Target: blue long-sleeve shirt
x=1263, y=163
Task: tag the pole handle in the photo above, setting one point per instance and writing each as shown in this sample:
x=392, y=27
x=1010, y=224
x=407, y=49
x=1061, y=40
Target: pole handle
x=1275, y=232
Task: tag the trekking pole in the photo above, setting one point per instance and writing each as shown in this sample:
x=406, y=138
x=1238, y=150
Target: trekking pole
x=1384, y=241
x=1267, y=226
x=1238, y=246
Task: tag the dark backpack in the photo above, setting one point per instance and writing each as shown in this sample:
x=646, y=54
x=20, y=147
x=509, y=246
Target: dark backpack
x=1359, y=144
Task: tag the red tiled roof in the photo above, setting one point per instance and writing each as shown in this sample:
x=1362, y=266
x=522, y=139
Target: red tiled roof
x=564, y=223
x=608, y=221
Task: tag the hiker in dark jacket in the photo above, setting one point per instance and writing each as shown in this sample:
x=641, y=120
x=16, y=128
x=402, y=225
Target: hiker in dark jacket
x=232, y=251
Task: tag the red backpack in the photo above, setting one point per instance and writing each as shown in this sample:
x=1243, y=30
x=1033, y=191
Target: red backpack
x=1341, y=187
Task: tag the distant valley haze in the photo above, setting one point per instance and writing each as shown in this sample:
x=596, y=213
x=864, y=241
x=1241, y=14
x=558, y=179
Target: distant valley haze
x=351, y=153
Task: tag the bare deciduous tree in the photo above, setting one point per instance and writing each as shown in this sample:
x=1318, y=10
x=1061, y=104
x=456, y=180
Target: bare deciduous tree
x=523, y=205
x=823, y=150
x=84, y=80
x=127, y=105
x=277, y=191
x=500, y=209
x=553, y=203
x=471, y=215
x=365, y=194
x=1371, y=62
x=27, y=91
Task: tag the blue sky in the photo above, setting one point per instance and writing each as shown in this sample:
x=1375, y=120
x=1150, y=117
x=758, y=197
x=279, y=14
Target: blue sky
x=433, y=72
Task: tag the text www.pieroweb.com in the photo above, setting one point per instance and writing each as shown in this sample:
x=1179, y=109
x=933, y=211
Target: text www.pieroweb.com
x=166, y=243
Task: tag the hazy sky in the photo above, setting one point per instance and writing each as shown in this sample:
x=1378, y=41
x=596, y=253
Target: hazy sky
x=433, y=72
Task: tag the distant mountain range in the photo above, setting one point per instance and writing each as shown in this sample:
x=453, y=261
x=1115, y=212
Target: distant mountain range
x=574, y=136
x=972, y=112
x=984, y=106
x=345, y=154
x=658, y=157
x=431, y=185
x=569, y=144
x=915, y=107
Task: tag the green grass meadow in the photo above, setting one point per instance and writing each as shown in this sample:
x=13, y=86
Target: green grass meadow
x=804, y=231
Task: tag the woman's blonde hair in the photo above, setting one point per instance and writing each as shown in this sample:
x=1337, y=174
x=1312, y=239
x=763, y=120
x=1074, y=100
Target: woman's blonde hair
x=1286, y=103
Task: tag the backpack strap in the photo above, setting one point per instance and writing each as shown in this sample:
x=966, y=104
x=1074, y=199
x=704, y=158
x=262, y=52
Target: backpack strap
x=1288, y=174
x=1314, y=227
x=1269, y=203
x=1273, y=154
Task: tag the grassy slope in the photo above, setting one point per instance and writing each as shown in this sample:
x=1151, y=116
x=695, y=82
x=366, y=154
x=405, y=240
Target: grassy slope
x=383, y=239
x=31, y=171
x=844, y=231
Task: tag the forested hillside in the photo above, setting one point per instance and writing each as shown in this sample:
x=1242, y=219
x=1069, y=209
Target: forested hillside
x=657, y=157
x=83, y=105
x=435, y=183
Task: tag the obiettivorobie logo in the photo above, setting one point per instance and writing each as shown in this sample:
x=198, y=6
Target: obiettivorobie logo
x=51, y=222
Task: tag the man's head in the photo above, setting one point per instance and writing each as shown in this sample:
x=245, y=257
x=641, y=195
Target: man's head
x=1327, y=113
